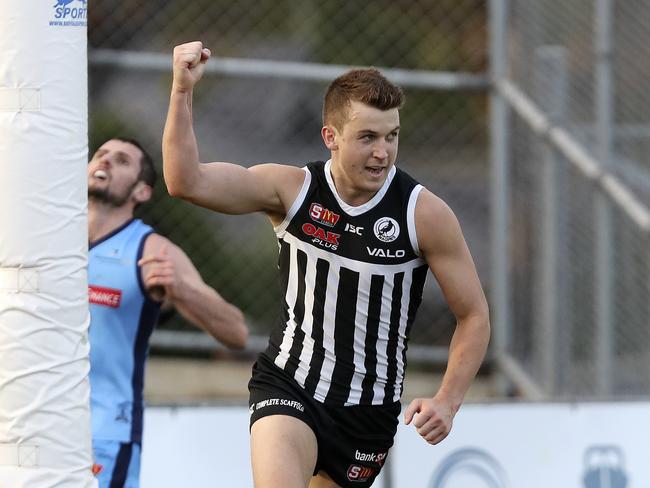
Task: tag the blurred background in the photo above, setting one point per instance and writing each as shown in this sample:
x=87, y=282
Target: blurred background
x=530, y=118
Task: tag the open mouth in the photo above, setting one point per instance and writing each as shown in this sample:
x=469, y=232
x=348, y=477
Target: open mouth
x=375, y=170
x=101, y=175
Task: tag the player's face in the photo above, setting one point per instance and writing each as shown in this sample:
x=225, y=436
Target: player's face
x=113, y=172
x=366, y=148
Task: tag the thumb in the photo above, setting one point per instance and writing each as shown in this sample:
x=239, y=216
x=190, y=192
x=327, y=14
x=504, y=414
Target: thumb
x=411, y=410
x=190, y=59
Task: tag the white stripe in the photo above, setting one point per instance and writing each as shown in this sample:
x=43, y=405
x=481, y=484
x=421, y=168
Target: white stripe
x=282, y=227
x=382, y=340
x=307, y=324
x=401, y=339
x=410, y=219
x=360, y=325
x=351, y=264
x=349, y=209
x=329, y=321
x=290, y=298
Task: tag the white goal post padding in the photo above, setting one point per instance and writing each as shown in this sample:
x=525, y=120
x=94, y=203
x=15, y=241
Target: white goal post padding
x=45, y=435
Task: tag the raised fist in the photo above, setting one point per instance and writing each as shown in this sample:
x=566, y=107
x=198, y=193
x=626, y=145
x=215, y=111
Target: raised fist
x=188, y=64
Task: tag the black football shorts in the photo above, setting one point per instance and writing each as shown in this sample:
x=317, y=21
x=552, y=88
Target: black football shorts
x=353, y=441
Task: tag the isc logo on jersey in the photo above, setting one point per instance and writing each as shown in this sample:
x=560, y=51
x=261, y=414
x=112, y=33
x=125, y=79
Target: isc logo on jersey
x=323, y=215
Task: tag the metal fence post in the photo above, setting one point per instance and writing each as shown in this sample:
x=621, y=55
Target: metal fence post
x=500, y=190
x=603, y=213
x=551, y=88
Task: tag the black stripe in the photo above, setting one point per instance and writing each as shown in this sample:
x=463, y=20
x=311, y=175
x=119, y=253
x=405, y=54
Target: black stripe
x=417, y=286
x=393, y=337
x=121, y=469
x=346, y=309
x=372, y=330
x=318, y=313
x=138, y=269
x=148, y=318
x=299, y=311
x=275, y=339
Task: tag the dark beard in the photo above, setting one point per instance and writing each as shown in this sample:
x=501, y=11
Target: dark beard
x=106, y=197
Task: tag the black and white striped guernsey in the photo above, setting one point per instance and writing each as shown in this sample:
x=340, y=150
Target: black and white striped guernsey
x=352, y=279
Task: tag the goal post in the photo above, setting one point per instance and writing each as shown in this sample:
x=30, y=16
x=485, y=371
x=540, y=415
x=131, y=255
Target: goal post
x=45, y=437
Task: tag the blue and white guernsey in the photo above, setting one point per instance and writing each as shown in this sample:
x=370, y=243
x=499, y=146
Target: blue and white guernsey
x=122, y=319
x=352, y=279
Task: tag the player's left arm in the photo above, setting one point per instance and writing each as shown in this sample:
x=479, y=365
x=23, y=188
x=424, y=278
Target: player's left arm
x=168, y=274
x=443, y=246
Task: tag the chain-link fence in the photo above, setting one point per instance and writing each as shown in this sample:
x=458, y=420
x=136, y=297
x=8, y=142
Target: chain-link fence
x=576, y=80
x=265, y=109
x=570, y=138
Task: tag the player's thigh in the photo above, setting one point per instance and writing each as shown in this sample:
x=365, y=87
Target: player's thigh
x=283, y=452
x=322, y=480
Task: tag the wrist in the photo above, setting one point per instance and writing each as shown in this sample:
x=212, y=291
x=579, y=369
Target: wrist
x=454, y=401
x=180, y=90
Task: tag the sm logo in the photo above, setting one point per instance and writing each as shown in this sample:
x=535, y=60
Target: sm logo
x=360, y=473
x=323, y=215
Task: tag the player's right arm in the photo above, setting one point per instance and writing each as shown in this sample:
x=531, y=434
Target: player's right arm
x=224, y=187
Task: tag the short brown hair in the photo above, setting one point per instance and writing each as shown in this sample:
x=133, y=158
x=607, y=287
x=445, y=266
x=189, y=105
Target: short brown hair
x=367, y=86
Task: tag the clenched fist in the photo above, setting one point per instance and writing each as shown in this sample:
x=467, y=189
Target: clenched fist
x=188, y=65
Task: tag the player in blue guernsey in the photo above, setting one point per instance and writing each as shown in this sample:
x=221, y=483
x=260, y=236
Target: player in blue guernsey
x=357, y=236
x=132, y=271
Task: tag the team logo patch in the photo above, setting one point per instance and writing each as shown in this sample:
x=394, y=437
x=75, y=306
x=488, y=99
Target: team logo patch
x=386, y=229
x=323, y=215
x=108, y=297
x=123, y=413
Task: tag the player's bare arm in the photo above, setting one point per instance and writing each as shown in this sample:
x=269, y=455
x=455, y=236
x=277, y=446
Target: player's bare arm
x=164, y=266
x=443, y=246
x=220, y=186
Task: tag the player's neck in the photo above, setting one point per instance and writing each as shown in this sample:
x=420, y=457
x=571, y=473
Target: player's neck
x=104, y=219
x=346, y=188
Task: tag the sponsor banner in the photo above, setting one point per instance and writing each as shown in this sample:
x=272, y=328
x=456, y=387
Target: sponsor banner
x=595, y=445
x=531, y=446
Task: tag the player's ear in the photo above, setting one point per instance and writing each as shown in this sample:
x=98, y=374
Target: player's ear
x=328, y=133
x=142, y=192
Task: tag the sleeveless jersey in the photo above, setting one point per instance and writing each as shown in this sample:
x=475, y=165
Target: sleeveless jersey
x=122, y=318
x=352, y=280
